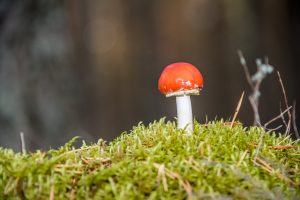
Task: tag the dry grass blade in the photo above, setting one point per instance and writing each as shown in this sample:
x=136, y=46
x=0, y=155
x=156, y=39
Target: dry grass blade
x=276, y=146
x=267, y=167
x=294, y=120
x=188, y=188
x=183, y=183
x=51, y=195
x=277, y=117
x=72, y=195
x=265, y=164
x=288, y=127
x=283, y=147
x=242, y=158
x=235, y=123
x=237, y=109
x=161, y=175
x=75, y=151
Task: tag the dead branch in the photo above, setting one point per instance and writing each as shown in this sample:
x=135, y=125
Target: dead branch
x=254, y=81
x=246, y=69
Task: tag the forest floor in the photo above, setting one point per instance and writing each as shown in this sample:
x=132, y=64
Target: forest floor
x=158, y=161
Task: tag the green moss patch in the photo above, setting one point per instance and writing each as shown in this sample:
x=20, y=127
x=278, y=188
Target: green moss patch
x=159, y=161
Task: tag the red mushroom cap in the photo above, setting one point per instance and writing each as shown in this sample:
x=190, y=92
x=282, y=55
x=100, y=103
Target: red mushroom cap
x=179, y=79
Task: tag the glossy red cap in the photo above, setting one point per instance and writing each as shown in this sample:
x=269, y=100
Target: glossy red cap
x=180, y=79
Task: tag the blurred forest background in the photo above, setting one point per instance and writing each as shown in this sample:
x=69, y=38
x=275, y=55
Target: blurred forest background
x=90, y=68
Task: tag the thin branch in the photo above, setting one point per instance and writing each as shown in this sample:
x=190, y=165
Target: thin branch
x=283, y=90
x=274, y=129
x=286, y=105
x=282, y=117
x=246, y=69
x=263, y=69
x=254, y=106
x=266, y=60
x=277, y=117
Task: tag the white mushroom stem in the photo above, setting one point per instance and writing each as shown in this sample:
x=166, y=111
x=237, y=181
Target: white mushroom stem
x=184, y=113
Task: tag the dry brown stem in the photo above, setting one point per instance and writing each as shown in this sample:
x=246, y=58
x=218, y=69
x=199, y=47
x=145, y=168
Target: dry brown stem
x=237, y=110
x=162, y=171
x=267, y=167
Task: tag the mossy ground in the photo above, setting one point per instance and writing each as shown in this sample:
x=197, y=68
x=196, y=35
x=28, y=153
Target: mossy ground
x=159, y=162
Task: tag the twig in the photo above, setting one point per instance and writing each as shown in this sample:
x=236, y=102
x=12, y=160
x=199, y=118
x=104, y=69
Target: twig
x=23, y=145
x=273, y=129
x=277, y=117
x=237, y=110
x=282, y=117
x=294, y=120
x=246, y=69
x=255, y=81
x=286, y=105
x=254, y=105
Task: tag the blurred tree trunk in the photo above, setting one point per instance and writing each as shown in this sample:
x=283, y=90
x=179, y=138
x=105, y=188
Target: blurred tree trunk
x=36, y=76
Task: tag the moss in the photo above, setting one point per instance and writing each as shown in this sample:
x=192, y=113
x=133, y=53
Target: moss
x=159, y=161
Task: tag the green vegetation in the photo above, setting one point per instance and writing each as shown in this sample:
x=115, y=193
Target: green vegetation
x=159, y=162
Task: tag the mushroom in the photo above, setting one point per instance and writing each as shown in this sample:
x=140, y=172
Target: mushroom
x=181, y=79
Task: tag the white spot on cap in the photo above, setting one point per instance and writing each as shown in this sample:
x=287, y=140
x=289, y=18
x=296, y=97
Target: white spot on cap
x=188, y=83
